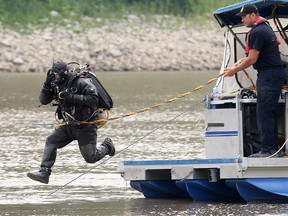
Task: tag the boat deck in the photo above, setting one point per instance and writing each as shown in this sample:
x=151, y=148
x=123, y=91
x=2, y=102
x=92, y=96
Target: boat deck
x=225, y=168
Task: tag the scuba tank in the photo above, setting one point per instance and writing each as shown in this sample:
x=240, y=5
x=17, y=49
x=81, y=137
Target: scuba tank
x=104, y=99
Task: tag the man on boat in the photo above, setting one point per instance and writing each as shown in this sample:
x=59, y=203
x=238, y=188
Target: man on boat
x=77, y=99
x=262, y=52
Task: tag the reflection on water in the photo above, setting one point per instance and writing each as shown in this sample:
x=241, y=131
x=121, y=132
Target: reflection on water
x=78, y=188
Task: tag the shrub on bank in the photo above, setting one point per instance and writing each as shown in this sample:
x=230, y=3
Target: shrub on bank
x=20, y=14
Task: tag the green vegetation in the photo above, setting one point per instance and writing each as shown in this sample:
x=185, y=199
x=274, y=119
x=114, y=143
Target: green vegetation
x=17, y=14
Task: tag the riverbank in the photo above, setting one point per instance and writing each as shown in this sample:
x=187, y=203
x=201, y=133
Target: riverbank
x=129, y=46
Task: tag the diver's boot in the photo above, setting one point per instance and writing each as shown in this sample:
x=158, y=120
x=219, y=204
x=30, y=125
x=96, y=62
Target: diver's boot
x=110, y=147
x=42, y=175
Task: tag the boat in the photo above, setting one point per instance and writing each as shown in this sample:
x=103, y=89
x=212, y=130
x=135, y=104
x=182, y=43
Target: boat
x=226, y=173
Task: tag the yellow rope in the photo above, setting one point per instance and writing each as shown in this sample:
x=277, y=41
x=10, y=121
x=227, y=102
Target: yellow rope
x=102, y=122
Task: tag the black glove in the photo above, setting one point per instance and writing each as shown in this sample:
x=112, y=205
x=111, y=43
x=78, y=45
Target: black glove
x=66, y=96
x=49, y=78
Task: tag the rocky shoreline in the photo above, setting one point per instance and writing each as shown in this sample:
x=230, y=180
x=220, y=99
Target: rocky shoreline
x=118, y=47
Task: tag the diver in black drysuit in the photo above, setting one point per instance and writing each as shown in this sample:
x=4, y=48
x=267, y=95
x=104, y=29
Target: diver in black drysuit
x=78, y=102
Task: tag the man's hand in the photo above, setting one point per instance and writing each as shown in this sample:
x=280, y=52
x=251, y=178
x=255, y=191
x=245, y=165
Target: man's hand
x=285, y=87
x=50, y=77
x=230, y=72
x=66, y=96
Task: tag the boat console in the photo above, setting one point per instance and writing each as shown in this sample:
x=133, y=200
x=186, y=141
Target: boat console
x=231, y=125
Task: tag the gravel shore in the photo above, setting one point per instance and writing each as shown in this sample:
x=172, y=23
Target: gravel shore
x=117, y=47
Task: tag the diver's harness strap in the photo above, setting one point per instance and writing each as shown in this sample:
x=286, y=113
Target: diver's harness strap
x=73, y=122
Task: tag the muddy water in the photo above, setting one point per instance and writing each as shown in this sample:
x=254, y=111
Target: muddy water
x=77, y=188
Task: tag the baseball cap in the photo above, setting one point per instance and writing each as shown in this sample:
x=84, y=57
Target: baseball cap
x=247, y=9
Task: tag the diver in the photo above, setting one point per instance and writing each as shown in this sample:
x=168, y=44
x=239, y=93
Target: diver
x=77, y=99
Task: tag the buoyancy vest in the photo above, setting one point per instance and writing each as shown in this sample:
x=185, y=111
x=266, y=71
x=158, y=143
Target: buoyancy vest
x=258, y=21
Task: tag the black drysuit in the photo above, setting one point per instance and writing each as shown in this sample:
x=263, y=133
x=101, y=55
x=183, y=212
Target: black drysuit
x=78, y=101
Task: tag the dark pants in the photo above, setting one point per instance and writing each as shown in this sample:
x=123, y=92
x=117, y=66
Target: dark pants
x=269, y=85
x=62, y=136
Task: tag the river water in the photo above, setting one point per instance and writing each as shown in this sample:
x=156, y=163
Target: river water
x=173, y=131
